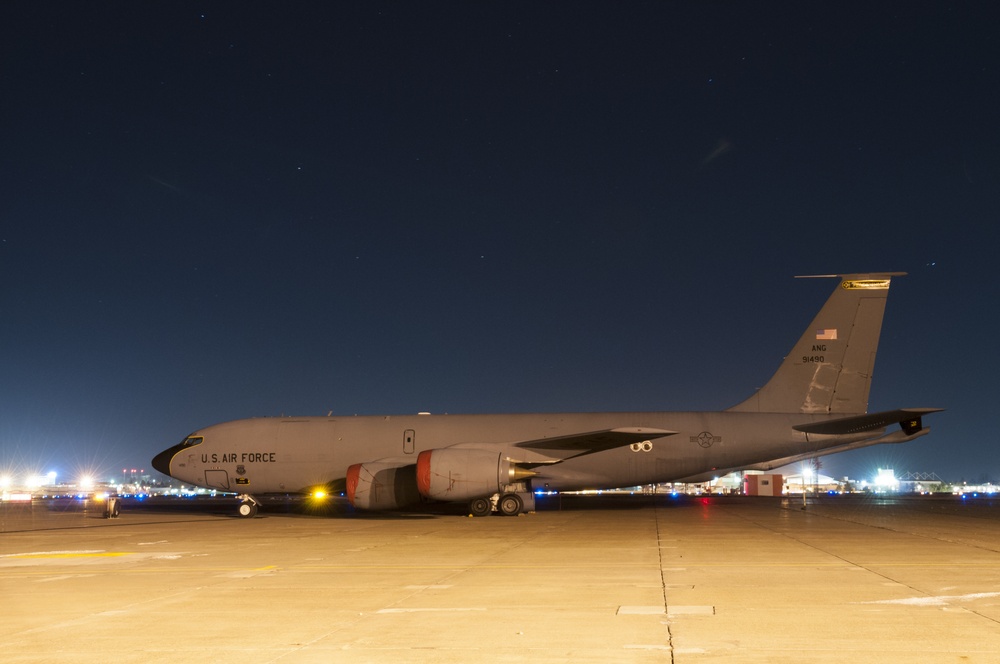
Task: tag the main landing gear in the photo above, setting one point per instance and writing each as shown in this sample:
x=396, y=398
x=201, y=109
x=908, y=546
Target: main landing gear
x=248, y=506
x=507, y=504
x=481, y=507
x=510, y=504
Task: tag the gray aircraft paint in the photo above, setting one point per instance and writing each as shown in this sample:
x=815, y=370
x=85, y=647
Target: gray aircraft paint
x=814, y=404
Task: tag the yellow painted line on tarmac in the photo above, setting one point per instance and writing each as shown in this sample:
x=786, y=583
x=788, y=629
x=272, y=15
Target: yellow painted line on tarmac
x=68, y=554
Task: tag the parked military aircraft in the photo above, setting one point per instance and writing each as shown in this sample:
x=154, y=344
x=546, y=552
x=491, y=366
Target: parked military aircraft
x=816, y=403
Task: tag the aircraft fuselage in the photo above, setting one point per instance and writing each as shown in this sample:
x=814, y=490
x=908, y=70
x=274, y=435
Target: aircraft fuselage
x=297, y=454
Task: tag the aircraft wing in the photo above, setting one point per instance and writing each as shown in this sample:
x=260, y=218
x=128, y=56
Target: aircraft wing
x=594, y=441
x=894, y=437
x=908, y=418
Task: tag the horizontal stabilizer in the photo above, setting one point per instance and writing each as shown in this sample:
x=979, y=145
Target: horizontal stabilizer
x=596, y=441
x=908, y=418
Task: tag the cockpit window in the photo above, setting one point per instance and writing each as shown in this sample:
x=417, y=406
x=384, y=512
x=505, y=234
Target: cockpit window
x=191, y=441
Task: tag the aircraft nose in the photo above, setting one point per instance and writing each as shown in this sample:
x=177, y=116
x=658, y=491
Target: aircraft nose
x=161, y=461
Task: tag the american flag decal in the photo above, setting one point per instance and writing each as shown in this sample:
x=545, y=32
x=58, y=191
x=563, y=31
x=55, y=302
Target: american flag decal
x=826, y=334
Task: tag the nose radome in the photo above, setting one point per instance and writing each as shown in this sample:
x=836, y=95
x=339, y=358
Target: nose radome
x=161, y=461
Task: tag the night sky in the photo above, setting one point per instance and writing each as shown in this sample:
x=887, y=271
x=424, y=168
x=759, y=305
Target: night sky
x=221, y=210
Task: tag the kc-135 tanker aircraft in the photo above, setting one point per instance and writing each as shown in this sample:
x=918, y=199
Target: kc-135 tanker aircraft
x=816, y=403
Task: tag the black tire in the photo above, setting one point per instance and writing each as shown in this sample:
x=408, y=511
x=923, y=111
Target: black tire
x=247, y=509
x=480, y=507
x=510, y=504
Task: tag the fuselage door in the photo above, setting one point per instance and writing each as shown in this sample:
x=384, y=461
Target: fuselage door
x=409, y=437
x=217, y=479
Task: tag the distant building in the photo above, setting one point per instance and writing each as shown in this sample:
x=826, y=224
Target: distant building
x=763, y=485
x=810, y=483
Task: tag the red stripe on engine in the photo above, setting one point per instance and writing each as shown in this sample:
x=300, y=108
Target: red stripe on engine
x=424, y=473
x=352, y=481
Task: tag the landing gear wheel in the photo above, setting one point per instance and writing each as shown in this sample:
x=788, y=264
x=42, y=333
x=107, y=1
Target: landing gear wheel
x=480, y=507
x=510, y=504
x=247, y=509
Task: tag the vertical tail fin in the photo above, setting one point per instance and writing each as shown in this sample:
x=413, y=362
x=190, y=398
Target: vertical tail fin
x=829, y=370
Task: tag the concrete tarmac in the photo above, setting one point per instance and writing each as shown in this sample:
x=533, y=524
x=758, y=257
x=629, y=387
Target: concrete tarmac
x=623, y=579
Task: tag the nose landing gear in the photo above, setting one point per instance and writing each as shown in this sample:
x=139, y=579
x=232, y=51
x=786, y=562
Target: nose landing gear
x=248, y=506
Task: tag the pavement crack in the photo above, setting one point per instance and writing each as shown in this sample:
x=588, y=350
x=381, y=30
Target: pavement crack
x=663, y=581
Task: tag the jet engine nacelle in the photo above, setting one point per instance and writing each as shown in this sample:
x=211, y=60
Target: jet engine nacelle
x=382, y=485
x=463, y=474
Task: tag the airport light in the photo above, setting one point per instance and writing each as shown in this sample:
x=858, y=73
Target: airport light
x=807, y=475
x=36, y=481
x=885, y=480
